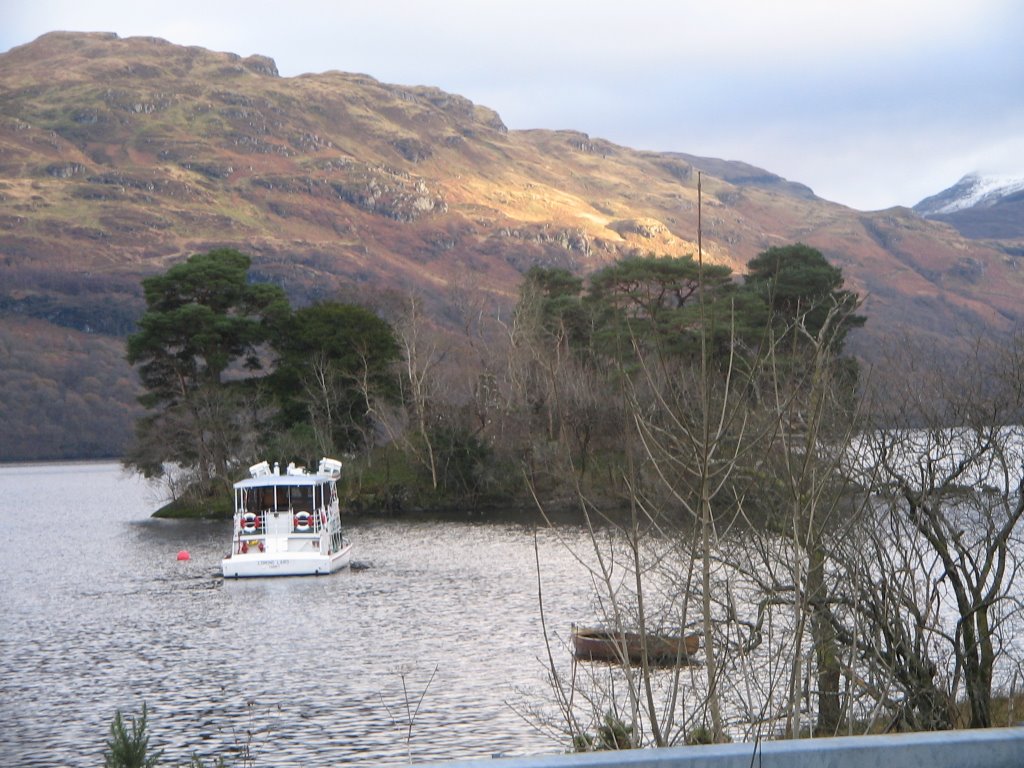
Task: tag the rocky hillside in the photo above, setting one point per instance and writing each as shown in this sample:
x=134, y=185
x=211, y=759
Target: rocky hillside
x=120, y=156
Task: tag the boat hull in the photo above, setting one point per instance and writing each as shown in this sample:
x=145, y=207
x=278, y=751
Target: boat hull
x=590, y=644
x=263, y=564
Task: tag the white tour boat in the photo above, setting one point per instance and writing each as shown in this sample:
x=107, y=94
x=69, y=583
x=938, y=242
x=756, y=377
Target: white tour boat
x=287, y=524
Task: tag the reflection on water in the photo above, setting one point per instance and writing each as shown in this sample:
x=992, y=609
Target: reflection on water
x=99, y=615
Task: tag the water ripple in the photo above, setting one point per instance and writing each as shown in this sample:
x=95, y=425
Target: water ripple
x=324, y=670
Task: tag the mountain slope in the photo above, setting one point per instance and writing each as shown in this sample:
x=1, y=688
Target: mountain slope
x=119, y=157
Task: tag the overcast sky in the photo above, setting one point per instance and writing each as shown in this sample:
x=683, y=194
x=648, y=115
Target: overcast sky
x=872, y=103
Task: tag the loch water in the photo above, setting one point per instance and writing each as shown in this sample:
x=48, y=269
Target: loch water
x=438, y=624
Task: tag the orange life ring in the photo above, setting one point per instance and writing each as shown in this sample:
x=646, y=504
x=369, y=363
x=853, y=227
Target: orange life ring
x=250, y=522
x=303, y=522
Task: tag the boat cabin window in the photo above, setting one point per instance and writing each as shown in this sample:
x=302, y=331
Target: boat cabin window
x=281, y=498
x=302, y=498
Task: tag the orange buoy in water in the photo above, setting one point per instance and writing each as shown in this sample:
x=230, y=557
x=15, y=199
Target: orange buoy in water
x=184, y=555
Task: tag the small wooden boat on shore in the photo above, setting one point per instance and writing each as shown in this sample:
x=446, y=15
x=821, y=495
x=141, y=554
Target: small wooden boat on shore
x=608, y=645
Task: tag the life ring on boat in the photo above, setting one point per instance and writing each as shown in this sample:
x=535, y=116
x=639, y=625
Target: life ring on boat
x=250, y=522
x=303, y=522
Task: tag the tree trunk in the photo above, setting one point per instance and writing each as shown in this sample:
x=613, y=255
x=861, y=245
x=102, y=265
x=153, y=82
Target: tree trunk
x=825, y=649
x=710, y=656
x=978, y=658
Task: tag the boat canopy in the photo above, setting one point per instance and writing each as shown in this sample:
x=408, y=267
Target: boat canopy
x=269, y=481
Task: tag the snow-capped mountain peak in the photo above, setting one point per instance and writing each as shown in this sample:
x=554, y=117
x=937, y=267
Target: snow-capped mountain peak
x=972, y=191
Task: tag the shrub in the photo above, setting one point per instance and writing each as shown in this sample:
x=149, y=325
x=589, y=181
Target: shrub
x=129, y=749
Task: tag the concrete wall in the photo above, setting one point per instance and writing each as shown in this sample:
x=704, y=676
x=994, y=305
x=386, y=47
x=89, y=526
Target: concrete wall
x=991, y=748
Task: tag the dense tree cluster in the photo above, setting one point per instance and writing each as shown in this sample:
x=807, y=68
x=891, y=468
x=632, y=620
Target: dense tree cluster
x=227, y=365
x=675, y=305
